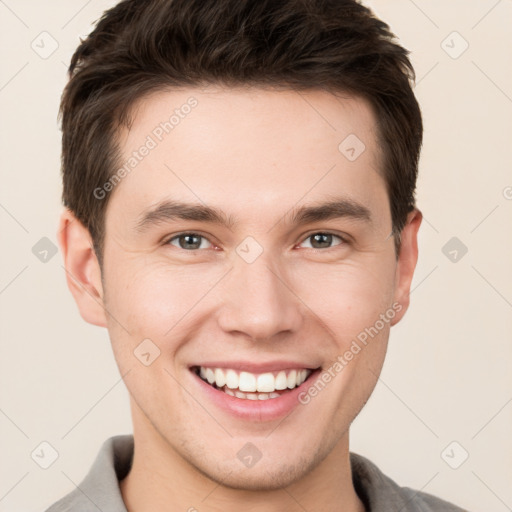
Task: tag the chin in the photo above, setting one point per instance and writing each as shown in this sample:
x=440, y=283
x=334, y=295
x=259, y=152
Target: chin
x=261, y=479
x=265, y=475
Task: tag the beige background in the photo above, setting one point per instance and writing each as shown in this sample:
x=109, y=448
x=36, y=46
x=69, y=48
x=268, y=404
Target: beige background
x=448, y=372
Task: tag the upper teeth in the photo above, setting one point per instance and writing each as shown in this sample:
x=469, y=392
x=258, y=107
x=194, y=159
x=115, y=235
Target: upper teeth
x=245, y=381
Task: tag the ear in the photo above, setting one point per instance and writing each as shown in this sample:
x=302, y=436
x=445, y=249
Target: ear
x=406, y=263
x=83, y=273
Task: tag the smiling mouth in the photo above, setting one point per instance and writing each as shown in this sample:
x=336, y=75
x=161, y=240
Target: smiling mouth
x=252, y=386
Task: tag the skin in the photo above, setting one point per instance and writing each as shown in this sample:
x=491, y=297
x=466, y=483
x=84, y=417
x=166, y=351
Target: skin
x=256, y=154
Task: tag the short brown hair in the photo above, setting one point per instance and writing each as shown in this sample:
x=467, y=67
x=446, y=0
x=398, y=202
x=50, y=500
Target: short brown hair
x=142, y=46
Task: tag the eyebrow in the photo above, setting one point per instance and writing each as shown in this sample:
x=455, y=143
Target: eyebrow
x=170, y=210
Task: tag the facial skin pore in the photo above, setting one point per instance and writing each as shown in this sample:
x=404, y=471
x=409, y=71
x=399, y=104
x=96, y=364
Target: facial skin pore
x=258, y=156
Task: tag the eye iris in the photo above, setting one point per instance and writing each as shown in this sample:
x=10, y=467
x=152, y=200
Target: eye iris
x=188, y=244
x=323, y=239
x=192, y=241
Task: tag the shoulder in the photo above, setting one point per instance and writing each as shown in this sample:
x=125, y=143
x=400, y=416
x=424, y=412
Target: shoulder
x=380, y=493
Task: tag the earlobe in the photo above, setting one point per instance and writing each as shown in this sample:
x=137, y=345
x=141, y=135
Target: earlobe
x=83, y=273
x=406, y=263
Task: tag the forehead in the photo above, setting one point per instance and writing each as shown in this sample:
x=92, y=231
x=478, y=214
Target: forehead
x=255, y=149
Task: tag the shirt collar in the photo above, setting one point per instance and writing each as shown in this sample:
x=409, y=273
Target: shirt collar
x=100, y=491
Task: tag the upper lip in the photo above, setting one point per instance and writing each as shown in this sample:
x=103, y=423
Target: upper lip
x=252, y=367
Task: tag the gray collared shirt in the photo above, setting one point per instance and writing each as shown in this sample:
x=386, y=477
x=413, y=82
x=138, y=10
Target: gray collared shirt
x=99, y=490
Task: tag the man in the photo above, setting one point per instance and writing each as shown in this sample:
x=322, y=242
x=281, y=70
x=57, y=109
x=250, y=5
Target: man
x=239, y=185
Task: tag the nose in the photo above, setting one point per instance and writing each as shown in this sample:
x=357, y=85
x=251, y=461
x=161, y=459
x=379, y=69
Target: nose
x=258, y=301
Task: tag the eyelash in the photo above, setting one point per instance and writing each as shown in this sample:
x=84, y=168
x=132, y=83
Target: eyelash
x=344, y=241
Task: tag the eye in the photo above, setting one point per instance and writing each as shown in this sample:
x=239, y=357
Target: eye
x=188, y=241
x=191, y=241
x=321, y=240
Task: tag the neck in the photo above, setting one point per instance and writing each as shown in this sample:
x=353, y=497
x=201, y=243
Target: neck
x=161, y=479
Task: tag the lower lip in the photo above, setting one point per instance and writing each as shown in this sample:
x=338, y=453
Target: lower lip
x=256, y=410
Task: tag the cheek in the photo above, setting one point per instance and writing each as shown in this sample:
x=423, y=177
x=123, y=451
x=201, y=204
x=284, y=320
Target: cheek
x=163, y=302
x=350, y=296
x=154, y=300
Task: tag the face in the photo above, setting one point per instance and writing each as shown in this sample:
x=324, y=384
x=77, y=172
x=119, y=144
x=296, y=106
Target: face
x=251, y=241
